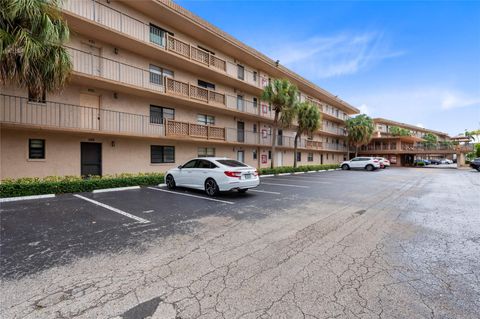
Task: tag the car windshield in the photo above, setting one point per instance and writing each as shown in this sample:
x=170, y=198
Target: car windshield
x=232, y=163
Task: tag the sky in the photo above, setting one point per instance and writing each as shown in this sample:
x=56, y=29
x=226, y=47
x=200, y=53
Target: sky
x=416, y=62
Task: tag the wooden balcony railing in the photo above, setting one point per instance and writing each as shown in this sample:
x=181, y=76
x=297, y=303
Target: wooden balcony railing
x=194, y=92
x=186, y=129
x=314, y=144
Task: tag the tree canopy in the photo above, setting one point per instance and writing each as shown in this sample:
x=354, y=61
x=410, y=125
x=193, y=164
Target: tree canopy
x=360, y=130
x=32, y=35
x=399, y=131
x=282, y=96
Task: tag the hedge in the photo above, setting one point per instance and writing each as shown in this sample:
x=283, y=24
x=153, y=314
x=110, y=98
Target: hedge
x=74, y=184
x=290, y=169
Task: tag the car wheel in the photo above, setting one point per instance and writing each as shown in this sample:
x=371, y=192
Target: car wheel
x=369, y=167
x=170, y=181
x=243, y=191
x=345, y=167
x=211, y=187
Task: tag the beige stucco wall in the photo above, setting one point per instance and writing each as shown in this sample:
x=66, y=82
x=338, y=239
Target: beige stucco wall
x=124, y=155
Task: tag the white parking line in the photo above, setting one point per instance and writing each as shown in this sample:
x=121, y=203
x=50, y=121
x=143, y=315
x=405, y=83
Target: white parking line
x=266, y=192
x=298, y=179
x=287, y=185
x=113, y=209
x=190, y=195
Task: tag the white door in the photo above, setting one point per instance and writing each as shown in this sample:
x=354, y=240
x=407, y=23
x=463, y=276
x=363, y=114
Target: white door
x=90, y=61
x=279, y=158
x=89, y=115
x=241, y=156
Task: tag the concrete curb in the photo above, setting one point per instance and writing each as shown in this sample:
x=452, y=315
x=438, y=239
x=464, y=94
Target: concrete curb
x=269, y=175
x=115, y=189
x=283, y=174
x=162, y=185
x=298, y=173
x=19, y=198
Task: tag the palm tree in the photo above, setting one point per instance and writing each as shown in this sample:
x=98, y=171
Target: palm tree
x=308, y=121
x=283, y=96
x=360, y=130
x=32, y=35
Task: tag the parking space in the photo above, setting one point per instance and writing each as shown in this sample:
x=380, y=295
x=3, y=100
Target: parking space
x=55, y=230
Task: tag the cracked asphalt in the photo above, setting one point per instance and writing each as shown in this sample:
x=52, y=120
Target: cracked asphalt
x=395, y=243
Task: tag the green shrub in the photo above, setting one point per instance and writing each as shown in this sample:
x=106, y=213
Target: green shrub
x=74, y=184
x=290, y=169
x=420, y=164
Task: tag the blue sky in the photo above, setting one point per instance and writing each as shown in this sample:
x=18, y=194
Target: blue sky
x=414, y=62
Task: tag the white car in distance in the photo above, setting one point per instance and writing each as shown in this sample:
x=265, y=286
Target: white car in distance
x=214, y=175
x=367, y=163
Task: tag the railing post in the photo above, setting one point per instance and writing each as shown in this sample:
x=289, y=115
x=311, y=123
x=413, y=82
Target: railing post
x=119, y=125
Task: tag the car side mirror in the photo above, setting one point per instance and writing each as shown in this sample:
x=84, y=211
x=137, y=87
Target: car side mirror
x=180, y=166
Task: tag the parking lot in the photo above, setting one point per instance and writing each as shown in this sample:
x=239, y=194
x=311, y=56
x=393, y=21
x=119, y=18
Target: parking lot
x=395, y=243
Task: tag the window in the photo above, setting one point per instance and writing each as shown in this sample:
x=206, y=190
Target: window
x=206, y=152
x=299, y=156
x=36, y=149
x=190, y=164
x=254, y=128
x=255, y=76
x=157, y=35
x=157, y=73
x=232, y=163
x=255, y=102
x=205, y=164
x=240, y=72
x=207, y=85
x=162, y=154
x=254, y=154
x=310, y=157
x=205, y=119
x=159, y=113
x=240, y=102
x=207, y=50
x=269, y=155
x=37, y=99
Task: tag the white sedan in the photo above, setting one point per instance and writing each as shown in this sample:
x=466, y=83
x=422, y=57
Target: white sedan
x=213, y=174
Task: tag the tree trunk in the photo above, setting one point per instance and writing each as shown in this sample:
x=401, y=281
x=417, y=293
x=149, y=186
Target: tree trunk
x=295, y=144
x=356, y=150
x=274, y=138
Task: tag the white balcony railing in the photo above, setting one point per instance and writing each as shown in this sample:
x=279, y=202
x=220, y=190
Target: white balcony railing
x=139, y=30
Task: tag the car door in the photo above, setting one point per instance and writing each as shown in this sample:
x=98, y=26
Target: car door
x=354, y=162
x=185, y=174
x=201, y=172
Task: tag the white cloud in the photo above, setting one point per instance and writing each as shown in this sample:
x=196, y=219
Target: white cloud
x=364, y=109
x=341, y=54
x=427, y=106
x=420, y=125
x=454, y=99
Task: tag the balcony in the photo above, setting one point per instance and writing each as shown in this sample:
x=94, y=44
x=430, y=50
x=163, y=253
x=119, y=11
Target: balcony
x=335, y=147
x=334, y=130
x=20, y=111
x=314, y=145
x=97, y=66
x=144, y=32
x=186, y=129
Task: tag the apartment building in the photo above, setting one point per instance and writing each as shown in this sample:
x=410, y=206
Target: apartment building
x=153, y=85
x=403, y=150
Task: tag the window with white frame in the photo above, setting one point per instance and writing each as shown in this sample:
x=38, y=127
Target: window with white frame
x=206, y=151
x=205, y=119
